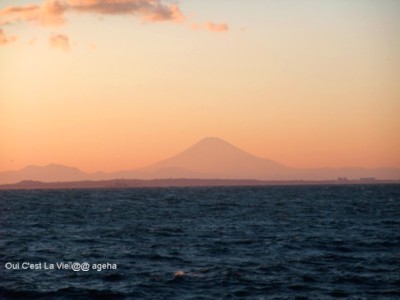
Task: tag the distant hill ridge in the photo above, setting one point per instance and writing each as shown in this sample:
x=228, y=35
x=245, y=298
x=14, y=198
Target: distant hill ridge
x=210, y=158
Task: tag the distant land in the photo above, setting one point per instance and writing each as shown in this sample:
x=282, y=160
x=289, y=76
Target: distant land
x=210, y=158
x=137, y=183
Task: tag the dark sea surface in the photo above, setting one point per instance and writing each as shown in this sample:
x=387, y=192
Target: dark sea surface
x=288, y=242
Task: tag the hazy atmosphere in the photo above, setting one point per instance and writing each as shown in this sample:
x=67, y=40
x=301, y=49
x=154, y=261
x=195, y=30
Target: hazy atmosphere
x=199, y=149
x=116, y=85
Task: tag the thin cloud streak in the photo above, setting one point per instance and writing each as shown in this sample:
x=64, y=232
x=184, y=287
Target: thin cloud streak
x=50, y=13
x=212, y=27
x=217, y=27
x=59, y=41
x=4, y=39
x=32, y=41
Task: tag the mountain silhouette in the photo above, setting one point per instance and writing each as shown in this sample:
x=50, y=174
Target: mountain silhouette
x=210, y=158
x=48, y=173
x=213, y=157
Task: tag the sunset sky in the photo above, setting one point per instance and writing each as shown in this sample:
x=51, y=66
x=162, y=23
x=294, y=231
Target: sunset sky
x=111, y=85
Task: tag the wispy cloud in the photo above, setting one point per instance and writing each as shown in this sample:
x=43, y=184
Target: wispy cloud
x=210, y=26
x=50, y=13
x=32, y=41
x=53, y=13
x=4, y=39
x=59, y=41
x=150, y=10
x=222, y=27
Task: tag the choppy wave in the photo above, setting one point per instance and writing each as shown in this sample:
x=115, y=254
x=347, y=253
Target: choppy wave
x=204, y=243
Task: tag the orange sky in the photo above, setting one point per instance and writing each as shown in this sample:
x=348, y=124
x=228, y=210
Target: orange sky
x=103, y=89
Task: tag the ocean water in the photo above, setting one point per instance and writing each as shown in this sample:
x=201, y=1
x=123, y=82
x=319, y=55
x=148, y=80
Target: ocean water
x=292, y=242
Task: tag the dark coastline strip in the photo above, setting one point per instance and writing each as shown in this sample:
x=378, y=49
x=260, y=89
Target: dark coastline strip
x=154, y=183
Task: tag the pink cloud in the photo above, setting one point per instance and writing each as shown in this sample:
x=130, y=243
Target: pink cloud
x=222, y=27
x=151, y=10
x=4, y=39
x=18, y=13
x=59, y=41
x=210, y=26
x=52, y=12
x=32, y=41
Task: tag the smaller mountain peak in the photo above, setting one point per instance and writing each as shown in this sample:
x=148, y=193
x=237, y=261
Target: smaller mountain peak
x=51, y=166
x=55, y=166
